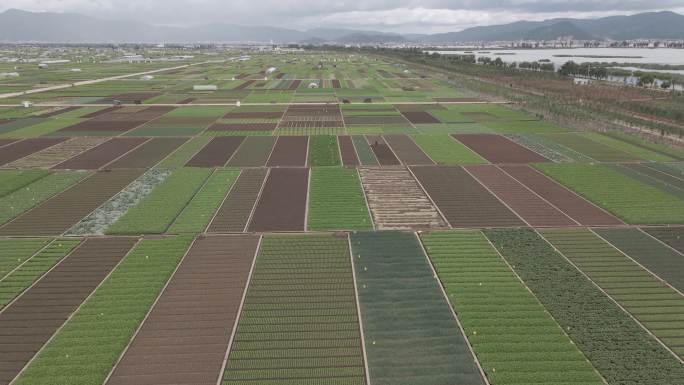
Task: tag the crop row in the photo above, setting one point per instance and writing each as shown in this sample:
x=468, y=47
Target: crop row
x=299, y=321
x=90, y=343
x=444, y=149
x=614, y=343
x=323, y=151
x=513, y=336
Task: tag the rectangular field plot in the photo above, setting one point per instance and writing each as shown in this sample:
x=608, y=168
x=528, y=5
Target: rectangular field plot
x=513, y=336
x=85, y=350
x=336, y=201
x=236, y=209
x=35, y=315
x=407, y=150
x=651, y=177
x=630, y=200
x=529, y=206
x=462, y=200
x=56, y=154
x=13, y=180
x=596, y=150
x=588, y=316
x=347, y=151
x=299, y=323
x=65, y=209
x=101, y=155
x=217, y=152
x=383, y=153
x=323, y=151
x=397, y=201
x=282, y=203
x=654, y=304
x=570, y=203
x=673, y=236
x=186, y=334
x=149, y=153
x=18, y=150
x=445, y=150
x=410, y=333
x=364, y=151
x=499, y=149
x=253, y=152
x=289, y=151
x=155, y=213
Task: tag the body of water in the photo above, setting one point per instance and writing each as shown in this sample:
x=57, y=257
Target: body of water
x=671, y=56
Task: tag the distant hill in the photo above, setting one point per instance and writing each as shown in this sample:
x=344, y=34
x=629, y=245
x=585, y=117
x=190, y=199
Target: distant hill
x=23, y=26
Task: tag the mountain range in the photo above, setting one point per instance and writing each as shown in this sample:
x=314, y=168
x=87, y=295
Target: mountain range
x=23, y=26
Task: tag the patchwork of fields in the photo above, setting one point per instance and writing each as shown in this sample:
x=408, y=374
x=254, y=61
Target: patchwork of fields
x=350, y=221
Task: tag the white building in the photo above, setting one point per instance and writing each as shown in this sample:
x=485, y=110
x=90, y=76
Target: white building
x=206, y=87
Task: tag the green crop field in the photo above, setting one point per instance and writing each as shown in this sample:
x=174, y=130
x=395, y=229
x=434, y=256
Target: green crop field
x=336, y=201
x=446, y=150
x=323, y=151
x=629, y=199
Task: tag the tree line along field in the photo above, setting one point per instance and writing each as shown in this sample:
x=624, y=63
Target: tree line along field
x=351, y=221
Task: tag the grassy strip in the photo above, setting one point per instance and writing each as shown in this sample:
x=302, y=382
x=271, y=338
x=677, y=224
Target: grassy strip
x=12, y=180
x=13, y=252
x=42, y=128
x=85, y=350
x=501, y=318
x=299, y=321
x=323, y=151
x=185, y=152
x=619, y=276
x=641, y=152
x=15, y=283
x=198, y=213
x=157, y=211
x=673, y=152
x=443, y=149
x=595, y=150
x=616, y=345
x=336, y=201
x=29, y=196
x=630, y=200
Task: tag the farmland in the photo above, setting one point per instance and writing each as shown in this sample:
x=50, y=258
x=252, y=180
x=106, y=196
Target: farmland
x=353, y=220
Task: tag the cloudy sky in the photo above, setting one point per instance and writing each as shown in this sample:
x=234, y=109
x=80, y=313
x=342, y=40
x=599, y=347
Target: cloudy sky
x=408, y=16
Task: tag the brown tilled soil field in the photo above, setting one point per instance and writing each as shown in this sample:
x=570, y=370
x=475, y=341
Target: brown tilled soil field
x=498, y=149
x=289, y=151
x=234, y=213
x=282, y=204
x=101, y=155
x=217, y=152
x=407, y=150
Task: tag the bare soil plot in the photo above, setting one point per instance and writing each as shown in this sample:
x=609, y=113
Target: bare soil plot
x=101, y=155
x=499, y=149
x=336, y=83
x=407, y=150
x=294, y=85
x=570, y=203
x=186, y=334
x=244, y=85
x=382, y=151
x=289, y=151
x=149, y=153
x=463, y=200
x=253, y=152
x=28, y=323
x=282, y=205
x=18, y=150
x=242, y=127
x=236, y=209
x=673, y=236
x=347, y=151
x=533, y=209
x=397, y=201
x=64, y=210
x=420, y=117
x=5, y=142
x=217, y=152
x=56, y=154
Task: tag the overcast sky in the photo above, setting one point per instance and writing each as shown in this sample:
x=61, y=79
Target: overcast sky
x=408, y=16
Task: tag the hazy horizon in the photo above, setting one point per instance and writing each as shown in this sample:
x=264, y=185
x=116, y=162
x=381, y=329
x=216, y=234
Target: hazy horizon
x=403, y=16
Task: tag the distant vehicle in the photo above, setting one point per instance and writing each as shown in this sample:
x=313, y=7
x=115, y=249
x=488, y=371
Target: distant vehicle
x=116, y=102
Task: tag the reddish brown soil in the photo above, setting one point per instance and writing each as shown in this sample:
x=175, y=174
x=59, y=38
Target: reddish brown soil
x=498, y=149
x=244, y=85
x=254, y=115
x=418, y=107
x=294, y=85
x=101, y=155
x=148, y=154
x=289, y=151
x=234, y=213
x=347, y=151
x=58, y=214
x=420, y=117
x=382, y=151
x=217, y=152
x=570, y=203
x=186, y=334
x=464, y=201
x=407, y=150
x=336, y=83
x=18, y=150
x=5, y=142
x=28, y=323
x=282, y=205
x=529, y=206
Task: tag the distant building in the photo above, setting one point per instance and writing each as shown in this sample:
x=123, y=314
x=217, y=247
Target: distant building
x=43, y=66
x=75, y=70
x=313, y=85
x=581, y=81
